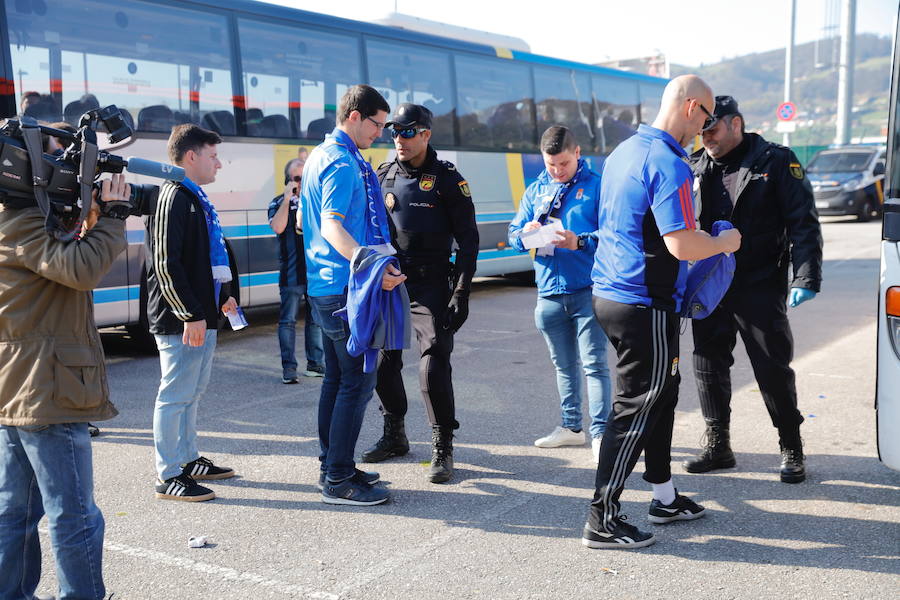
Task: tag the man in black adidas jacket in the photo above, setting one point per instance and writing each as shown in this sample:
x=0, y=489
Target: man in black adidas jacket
x=188, y=279
x=761, y=188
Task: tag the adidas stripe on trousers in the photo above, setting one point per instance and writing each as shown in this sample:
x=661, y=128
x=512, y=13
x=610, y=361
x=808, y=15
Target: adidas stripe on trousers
x=643, y=411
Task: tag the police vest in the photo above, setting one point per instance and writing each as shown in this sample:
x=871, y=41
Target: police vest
x=420, y=221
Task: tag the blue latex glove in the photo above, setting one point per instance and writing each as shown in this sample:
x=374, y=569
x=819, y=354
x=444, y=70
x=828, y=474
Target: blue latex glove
x=799, y=295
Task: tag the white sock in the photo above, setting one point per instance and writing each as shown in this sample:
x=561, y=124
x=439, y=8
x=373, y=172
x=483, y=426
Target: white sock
x=664, y=492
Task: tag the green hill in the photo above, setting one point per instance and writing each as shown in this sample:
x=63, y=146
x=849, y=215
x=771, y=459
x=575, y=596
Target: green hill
x=757, y=82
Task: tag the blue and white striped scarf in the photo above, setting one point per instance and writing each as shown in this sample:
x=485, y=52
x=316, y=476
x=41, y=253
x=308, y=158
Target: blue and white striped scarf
x=218, y=256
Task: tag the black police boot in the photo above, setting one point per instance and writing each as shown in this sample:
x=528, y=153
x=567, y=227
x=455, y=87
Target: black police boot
x=717, y=452
x=792, y=467
x=392, y=443
x=441, y=454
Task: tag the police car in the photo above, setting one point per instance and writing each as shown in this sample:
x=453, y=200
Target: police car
x=848, y=180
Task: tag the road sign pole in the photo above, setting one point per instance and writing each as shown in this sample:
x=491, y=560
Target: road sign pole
x=789, y=63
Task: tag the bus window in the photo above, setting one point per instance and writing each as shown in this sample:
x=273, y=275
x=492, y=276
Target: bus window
x=616, y=105
x=564, y=98
x=294, y=77
x=161, y=64
x=404, y=73
x=496, y=106
x=651, y=95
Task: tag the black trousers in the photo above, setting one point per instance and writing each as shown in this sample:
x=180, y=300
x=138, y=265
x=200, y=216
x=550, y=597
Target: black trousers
x=643, y=410
x=428, y=302
x=759, y=313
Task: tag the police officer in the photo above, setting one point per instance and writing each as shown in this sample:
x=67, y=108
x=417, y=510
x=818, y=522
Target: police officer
x=761, y=188
x=430, y=206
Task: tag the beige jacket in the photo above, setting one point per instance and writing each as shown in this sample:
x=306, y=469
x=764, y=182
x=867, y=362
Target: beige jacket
x=51, y=362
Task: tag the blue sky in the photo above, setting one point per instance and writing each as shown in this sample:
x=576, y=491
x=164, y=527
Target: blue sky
x=689, y=32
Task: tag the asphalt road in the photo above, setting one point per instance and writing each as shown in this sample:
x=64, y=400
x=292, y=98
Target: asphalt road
x=508, y=525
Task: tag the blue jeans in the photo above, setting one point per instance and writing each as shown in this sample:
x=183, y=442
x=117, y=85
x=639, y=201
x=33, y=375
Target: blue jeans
x=185, y=372
x=48, y=470
x=576, y=342
x=346, y=390
x=291, y=299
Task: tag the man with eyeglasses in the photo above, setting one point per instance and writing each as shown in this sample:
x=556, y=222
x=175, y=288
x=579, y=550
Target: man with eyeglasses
x=761, y=188
x=342, y=210
x=430, y=206
x=646, y=235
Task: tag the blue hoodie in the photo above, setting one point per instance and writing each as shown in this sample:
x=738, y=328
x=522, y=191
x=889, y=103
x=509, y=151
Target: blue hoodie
x=377, y=318
x=566, y=271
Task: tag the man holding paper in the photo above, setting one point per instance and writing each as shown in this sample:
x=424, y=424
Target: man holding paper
x=558, y=217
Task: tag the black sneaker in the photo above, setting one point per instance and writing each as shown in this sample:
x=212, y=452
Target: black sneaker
x=623, y=535
x=203, y=468
x=354, y=492
x=183, y=488
x=289, y=379
x=314, y=371
x=682, y=509
x=369, y=477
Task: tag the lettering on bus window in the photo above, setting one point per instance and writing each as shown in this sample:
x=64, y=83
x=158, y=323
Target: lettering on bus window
x=563, y=97
x=495, y=104
x=616, y=111
x=404, y=73
x=294, y=78
x=161, y=65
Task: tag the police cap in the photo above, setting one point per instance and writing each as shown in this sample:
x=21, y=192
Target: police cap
x=726, y=105
x=408, y=115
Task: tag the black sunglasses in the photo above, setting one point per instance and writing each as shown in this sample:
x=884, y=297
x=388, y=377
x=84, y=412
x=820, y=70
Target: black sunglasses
x=406, y=133
x=710, y=121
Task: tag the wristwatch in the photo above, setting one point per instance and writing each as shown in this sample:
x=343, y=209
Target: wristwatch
x=581, y=243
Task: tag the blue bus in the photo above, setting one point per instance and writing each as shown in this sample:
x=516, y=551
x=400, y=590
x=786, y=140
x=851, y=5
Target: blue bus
x=268, y=78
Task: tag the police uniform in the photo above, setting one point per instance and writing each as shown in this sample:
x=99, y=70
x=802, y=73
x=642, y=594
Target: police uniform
x=761, y=188
x=429, y=207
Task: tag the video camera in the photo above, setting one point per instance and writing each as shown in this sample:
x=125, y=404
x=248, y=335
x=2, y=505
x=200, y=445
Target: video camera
x=61, y=184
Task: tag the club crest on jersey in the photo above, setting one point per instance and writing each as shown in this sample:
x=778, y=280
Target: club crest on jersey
x=464, y=188
x=674, y=366
x=579, y=194
x=390, y=200
x=426, y=183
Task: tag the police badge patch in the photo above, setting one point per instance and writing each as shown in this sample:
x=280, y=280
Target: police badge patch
x=390, y=200
x=464, y=188
x=796, y=170
x=426, y=183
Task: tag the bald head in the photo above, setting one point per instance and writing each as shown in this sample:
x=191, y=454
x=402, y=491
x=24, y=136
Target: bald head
x=682, y=111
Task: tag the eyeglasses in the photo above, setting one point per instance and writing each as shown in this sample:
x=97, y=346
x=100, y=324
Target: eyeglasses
x=710, y=121
x=406, y=133
x=378, y=124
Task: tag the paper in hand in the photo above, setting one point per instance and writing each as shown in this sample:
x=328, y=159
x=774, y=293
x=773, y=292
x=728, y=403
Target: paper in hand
x=538, y=238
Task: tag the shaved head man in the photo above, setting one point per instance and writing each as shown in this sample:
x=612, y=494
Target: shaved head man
x=647, y=233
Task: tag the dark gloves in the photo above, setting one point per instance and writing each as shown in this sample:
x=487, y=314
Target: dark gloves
x=457, y=312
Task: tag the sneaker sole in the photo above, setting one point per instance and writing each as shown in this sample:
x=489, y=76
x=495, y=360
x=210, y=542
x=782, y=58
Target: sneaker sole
x=679, y=517
x=202, y=498
x=346, y=502
x=227, y=475
x=313, y=374
x=617, y=545
x=559, y=444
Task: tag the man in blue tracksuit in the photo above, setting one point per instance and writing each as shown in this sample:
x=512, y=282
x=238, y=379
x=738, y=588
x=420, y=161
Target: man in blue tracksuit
x=568, y=191
x=343, y=210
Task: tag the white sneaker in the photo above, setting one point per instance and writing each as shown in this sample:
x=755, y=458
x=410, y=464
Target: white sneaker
x=561, y=437
x=595, y=448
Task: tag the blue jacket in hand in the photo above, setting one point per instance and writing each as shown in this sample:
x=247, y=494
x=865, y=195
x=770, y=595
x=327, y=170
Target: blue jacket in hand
x=378, y=319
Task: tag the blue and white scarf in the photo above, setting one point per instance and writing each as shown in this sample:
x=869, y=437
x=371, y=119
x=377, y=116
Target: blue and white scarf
x=218, y=256
x=377, y=231
x=551, y=204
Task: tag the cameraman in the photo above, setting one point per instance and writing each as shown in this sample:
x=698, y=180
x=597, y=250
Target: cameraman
x=52, y=382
